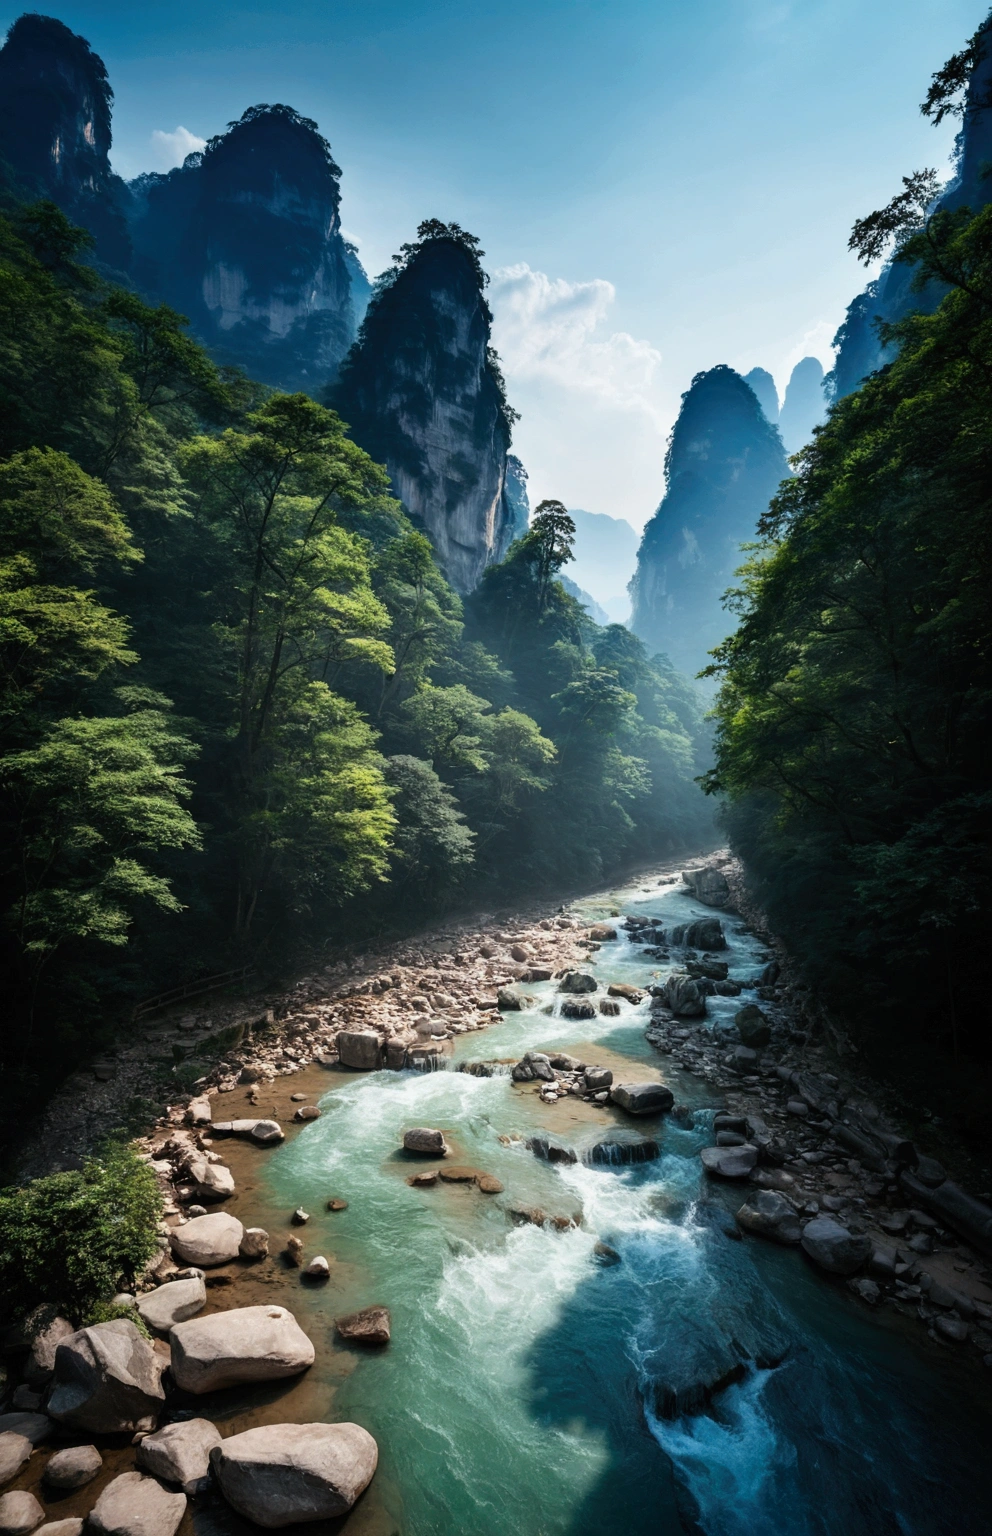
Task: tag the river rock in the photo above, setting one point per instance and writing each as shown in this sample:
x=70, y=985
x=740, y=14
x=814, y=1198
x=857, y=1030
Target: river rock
x=73, y=1468
x=602, y=933
x=621, y=989
x=20, y=1513
x=951, y=1328
x=551, y=1151
x=254, y=1244
x=597, y=1078
x=35, y=1427
x=832, y=1247
x=199, y=1111
x=708, y=885
x=245, y=1344
x=265, y=1132
x=360, y=1049
x=574, y=1008
x=207, y=1241
x=540, y=1064
x=318, y=1268
x=136, y=1505
x=642, y=1098
x=307, y=1112
x=769, y=1214
x=424, y=1141
x=489, y=1184
x=108, y=1379
x=14, y=1452
x=705, y=933
x=294, y=1251
x=621, y=1150
x=46, y=1330
x=609, y=1007
x=71, y=1526
x=173, y=1303
x=369, y=1326
x=507, y=1001
x=729, y=1162
x=180, y=1453
x=282, y=1474
x=213, y=1181
x=752, y=1026
x=577, y=982
x=682, y=995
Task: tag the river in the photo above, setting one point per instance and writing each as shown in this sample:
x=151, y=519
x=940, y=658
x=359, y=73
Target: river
x=531, y=1389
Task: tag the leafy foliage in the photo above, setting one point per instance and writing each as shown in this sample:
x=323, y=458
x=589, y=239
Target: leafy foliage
x=71, y=1236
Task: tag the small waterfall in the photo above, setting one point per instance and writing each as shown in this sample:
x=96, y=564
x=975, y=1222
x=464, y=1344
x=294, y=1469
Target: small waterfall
x=621, y=1152
x=486, y=1068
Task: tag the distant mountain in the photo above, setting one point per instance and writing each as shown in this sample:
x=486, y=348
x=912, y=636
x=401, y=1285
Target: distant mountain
x=724, y=464
x=763, y=385
x=424, y=396
x=804, y=406
x=55, y=136
x=595, y=612
x=605, y=558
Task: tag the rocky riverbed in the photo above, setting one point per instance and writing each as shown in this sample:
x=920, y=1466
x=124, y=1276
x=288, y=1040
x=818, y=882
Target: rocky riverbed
x=263, y=1309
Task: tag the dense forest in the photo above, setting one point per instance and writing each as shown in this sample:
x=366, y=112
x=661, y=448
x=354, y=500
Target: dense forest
x=242, y=709
x=853, y=719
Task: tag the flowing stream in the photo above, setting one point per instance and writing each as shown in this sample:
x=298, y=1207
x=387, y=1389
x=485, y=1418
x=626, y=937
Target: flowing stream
x=533, y=1390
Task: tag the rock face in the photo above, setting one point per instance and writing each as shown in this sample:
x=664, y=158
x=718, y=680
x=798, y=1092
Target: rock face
x=244, y=1344
x=245, y=239
x=360, y=1049
x=833, y=1248
x=55, y=130
x=173, y=1303
x=287, y=1473
x=180, y=1453
x=724, y=465
x=516, y=505
x=769, y=1214
x=709, y=886
x=423, y=396
x=642, y=1098
x=135, y=1505
x=859, y=350
x=207, y=1241
x=107, y=1380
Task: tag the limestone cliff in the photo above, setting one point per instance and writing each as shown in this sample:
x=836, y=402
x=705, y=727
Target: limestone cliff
x=245, y=239
x=724, y=463
x=516, y=505
x=859, y=350
x=55, y=136
x=423, y=394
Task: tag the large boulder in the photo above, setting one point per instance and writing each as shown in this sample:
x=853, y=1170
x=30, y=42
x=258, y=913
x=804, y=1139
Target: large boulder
x=46, y=1329
x=597, y=1078
x=705, y=933
x=20, y=1513
x=107, y=1380
x=752, y=1026
x=73, y=1468
x=642, y=1098
x=708, y=885
x=135, y=1505
x=244, y=1344
x=833, y=1248
x=14, y=1452
x=575, y=1008
x=265, y=1132
x=683, y=996
x=766, y=1213
x=282, y=1474
x=577, y=982
x=180, y=1453
x=207, y=1241
x=213, y=1181
x=360, y=1049
x=729, y=1162
x=425, y=1141
x=173, y=1303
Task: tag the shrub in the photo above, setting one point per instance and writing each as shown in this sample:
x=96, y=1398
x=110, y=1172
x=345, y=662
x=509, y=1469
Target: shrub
x=69, y=1237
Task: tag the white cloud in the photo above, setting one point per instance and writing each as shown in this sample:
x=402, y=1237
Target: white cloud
x=595, y=411
x=171, y=149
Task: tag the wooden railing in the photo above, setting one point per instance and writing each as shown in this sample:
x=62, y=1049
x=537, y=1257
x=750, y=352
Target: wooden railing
x=192, y=989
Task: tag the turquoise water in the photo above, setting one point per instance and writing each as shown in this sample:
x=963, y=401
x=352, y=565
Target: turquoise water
x=529, y=1391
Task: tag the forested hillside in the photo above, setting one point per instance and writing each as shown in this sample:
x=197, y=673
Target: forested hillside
x=241, y=708
x=853, y=736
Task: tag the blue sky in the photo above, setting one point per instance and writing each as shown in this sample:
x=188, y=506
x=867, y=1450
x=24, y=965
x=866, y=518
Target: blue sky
x=659, y=185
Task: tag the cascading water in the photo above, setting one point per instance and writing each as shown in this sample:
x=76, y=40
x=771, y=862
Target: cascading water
x=640, y=1372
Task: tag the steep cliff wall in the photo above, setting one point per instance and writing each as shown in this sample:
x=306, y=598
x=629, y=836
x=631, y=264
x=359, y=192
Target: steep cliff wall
x=724, y=463
x=246, y=240
x=55, y=136
x=516, y=506
x=858, y=348
x=423, y=394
